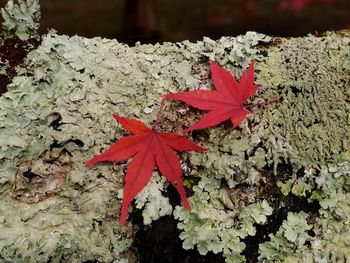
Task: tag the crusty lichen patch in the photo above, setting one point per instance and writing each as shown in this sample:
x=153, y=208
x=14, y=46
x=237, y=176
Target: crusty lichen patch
x=41, y=178
x=311, y=126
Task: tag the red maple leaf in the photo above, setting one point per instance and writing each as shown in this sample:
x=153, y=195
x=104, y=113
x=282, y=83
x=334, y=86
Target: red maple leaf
x=148, y=148
x=226, y=102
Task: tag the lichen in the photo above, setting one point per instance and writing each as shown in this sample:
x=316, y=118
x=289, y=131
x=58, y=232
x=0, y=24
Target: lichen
x=63, y=97
x=153, y=204
x=288, y=243
x=22, y=18
x=3, y=67
x=330, y=239
x=307, y=131
x=210, y=226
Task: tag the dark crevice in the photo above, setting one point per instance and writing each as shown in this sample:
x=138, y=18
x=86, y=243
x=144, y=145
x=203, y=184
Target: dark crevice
x=200, y=135
x=160, y=241
x=77, y=142
x=300, y=173
x=296, y=91
x=55, y=124
x=173, y=195
x=99, y=176
x=56, y=144
x=30, y=176
x=65, y=151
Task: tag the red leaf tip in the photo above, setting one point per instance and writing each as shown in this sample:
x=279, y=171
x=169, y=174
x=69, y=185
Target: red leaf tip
x=117, y=117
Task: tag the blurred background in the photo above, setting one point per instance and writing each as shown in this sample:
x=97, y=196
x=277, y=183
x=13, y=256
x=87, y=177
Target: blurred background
x=150, y=21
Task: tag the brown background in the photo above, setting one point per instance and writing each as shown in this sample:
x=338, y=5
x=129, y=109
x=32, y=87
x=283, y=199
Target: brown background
x=173, y=20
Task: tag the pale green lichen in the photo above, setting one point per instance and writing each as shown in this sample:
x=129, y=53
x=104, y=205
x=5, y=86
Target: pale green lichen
x=290, y=239
x=3, y=67
x=307, y=131
x=331, y=239
x=209, y=226
x=311, y=125
x=151, y=200
x=22, y=18
x=63, y=98
x=237, y=50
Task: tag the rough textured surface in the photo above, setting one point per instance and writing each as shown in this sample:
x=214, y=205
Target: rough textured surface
x=308, y=132
x=151, y=200
x=21, y=18
x=57, y=114
x=41, y=178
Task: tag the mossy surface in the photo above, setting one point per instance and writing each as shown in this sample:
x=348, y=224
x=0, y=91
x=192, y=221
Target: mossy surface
x=57, y=114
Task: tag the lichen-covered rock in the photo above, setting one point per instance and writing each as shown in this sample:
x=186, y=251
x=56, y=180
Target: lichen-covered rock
x=57, y=114
x=308, y=133
x=62, y=100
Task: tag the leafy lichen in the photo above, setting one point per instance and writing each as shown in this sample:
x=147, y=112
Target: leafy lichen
x=288, y=243
x=62, y=98
x=151, y=200
x=309, y=130
x=210, y=226
x=22, y=18
x=330, y=241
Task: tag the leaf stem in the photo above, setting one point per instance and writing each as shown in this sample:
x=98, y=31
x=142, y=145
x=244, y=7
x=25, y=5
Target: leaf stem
x=261, y=103
x=159, y=112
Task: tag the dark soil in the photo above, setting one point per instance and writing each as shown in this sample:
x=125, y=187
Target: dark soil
x=13, y=50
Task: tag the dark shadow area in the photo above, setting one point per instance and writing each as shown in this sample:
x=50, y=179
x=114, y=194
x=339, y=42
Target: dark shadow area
x=13, y=50
x=281, y=205
x=150, y=21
